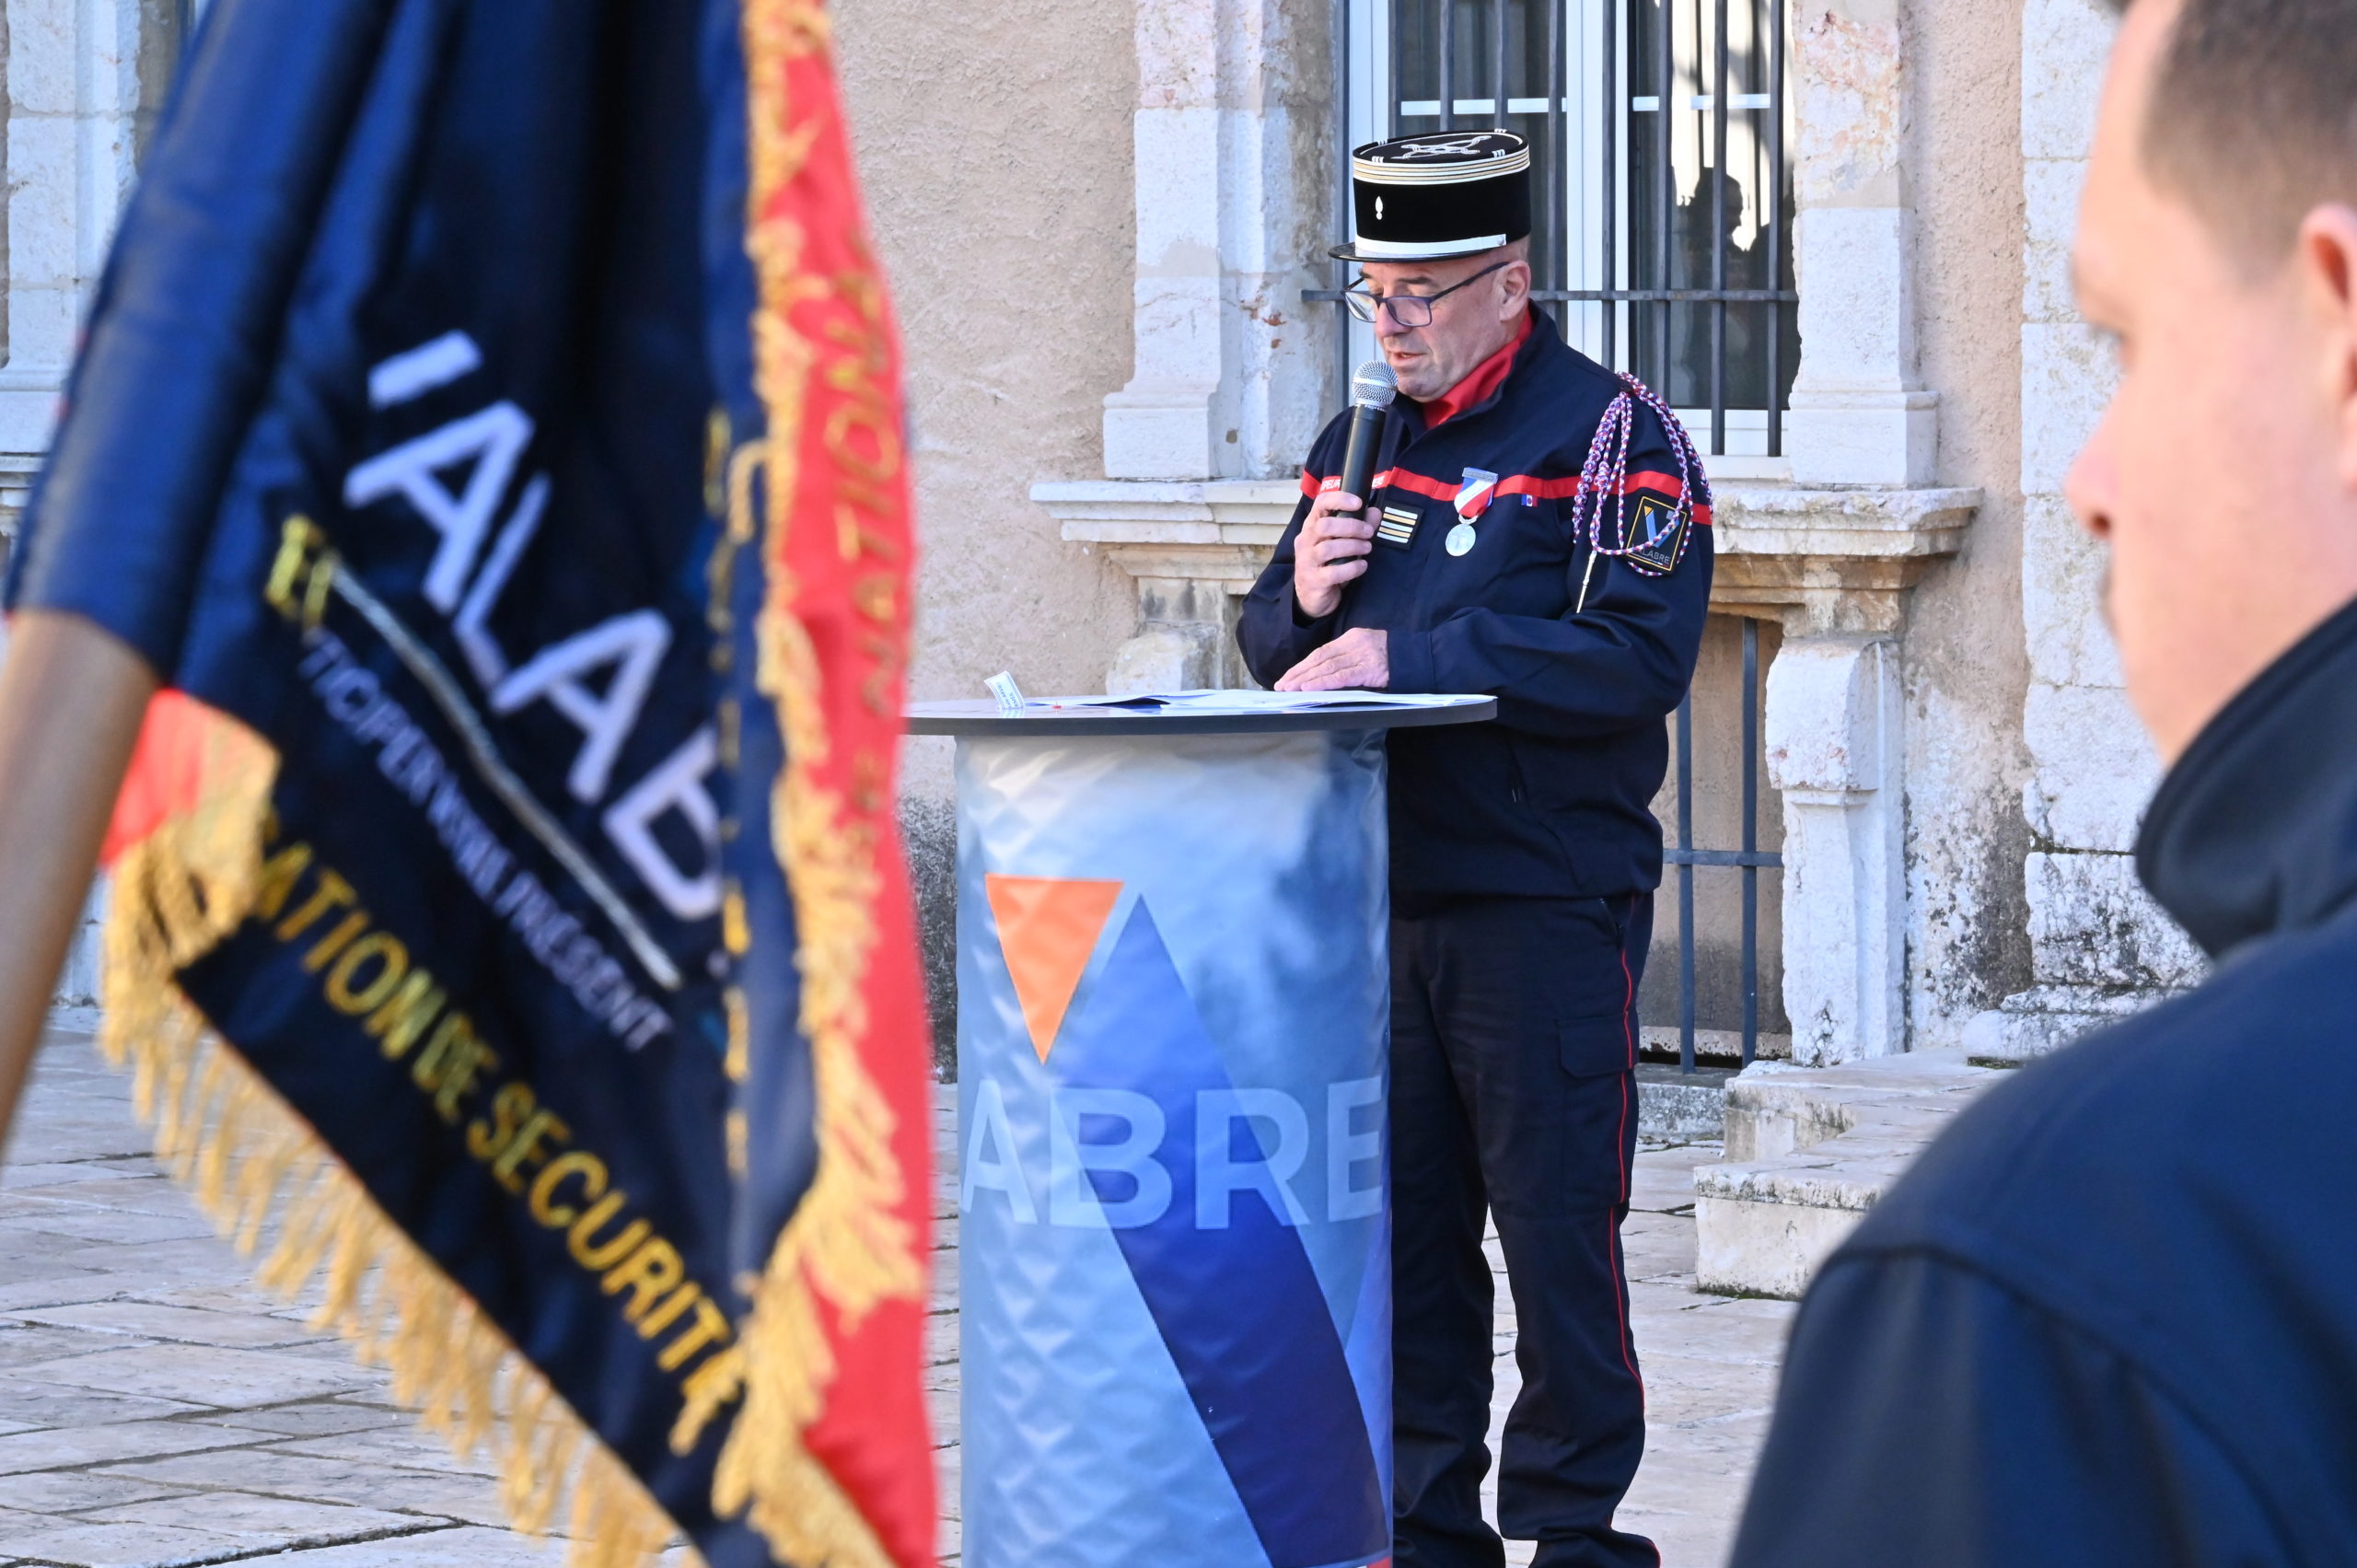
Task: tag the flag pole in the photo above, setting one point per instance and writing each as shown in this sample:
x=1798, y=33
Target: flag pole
x=72, y=698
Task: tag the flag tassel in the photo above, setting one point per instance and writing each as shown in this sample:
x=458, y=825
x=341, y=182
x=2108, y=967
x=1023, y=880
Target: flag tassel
x=246, y=1156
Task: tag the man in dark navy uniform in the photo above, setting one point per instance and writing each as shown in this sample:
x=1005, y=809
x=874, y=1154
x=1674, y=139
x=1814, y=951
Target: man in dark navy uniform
x=1538, y=530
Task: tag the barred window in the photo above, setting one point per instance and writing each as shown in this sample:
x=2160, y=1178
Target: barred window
x=1663, y=195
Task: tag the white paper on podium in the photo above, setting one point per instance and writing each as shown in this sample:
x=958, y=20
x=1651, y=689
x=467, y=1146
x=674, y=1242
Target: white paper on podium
x=1245, y=701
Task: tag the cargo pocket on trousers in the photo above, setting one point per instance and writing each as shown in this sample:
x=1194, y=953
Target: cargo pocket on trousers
x=1599, y=1111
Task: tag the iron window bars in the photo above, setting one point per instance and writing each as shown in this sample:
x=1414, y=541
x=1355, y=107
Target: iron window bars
x=1664, y=201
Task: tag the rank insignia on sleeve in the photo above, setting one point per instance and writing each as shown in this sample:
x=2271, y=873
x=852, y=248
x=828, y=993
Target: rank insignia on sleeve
x=1657, y=535
x=1396, y=527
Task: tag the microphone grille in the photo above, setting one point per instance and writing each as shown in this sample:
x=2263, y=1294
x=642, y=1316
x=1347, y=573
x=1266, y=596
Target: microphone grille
x=1374, y=386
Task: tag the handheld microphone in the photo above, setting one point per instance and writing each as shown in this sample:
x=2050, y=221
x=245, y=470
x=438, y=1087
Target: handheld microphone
x=1372, y=390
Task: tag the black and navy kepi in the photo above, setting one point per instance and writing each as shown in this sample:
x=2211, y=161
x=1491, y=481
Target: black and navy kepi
x=1445, y=193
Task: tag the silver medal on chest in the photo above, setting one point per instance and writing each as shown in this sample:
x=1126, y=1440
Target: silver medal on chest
x=1472, y=499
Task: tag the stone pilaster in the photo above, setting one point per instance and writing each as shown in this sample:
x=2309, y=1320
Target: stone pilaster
x=1858, y=415
x=1832, y=721
x=2098, y=946
x=1232, y=213
x=1835, y=566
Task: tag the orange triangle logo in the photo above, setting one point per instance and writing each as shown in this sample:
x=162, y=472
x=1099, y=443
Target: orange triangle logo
x=1047, y=927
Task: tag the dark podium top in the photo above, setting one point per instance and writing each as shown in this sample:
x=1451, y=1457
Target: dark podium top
x=1047, y=716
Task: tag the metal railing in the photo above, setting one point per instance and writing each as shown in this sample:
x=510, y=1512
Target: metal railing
x=1682, y=858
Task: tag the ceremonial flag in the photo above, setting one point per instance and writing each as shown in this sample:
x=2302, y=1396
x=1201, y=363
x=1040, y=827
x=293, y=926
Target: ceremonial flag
x=489, y=432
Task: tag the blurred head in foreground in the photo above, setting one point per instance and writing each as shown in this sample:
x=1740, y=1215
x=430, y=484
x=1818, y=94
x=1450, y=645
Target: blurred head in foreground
x=2106, y=1315
x=2218, y=249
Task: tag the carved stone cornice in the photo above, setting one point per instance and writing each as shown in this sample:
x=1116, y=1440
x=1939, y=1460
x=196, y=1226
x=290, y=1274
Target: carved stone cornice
x=1218, y=531
x=1822, y=560
x=1826, y=561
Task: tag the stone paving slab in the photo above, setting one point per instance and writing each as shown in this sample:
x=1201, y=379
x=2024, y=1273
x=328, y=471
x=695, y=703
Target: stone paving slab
x=207, y=1376
x=184, y=1324
x=157, y=1409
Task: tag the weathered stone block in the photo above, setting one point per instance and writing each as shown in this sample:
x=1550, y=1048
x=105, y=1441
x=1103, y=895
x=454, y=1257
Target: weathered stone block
x=275, y=1523
x=2067, y=375
x=1857, y=319
x=44, y=59
x=44, y=200
x=200, y=1375
x=2051, y=221
x=128, y=1546
x=95, y=1445
x=2094, y=771
x=1678, y=1105
x=2045, y=1019
x=2065, y=45
x=1764, y=1249
x=1847, y=103
x=2092, y=924
x=2062, y=578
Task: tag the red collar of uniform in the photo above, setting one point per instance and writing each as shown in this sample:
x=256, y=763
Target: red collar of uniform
x=1479, y=383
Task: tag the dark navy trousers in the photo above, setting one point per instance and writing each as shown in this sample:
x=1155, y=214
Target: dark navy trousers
x=1514, y=1031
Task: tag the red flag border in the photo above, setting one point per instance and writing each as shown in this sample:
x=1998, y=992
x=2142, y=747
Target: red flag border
x=830, y=1455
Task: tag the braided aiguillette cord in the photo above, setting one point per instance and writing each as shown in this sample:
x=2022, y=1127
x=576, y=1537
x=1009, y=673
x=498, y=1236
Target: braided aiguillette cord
x=1605, y=469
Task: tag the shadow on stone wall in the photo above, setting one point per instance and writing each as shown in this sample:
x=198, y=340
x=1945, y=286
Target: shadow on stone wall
x=929, y=827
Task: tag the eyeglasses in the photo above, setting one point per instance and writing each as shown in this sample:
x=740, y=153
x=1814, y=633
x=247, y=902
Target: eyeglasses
x=1408, y=309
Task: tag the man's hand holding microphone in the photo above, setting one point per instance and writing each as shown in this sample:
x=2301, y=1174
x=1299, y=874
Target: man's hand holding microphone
x=1331, y=551
x=1333, y=548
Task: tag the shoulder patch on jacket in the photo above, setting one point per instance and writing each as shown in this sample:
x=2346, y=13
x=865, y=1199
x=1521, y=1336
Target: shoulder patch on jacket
x=1651, y=534
x=1657, y=533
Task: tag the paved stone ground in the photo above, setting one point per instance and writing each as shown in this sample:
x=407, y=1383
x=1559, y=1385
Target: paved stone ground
x=155, y=1409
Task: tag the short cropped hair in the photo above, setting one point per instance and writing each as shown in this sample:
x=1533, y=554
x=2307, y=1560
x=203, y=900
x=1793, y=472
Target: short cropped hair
x=2254, y=115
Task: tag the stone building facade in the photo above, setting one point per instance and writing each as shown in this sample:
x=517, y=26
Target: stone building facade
x=1101, y=221
x=1115, y=372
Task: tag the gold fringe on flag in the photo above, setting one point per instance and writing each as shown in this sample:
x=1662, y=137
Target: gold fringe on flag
x=847, y=1247
x=248, y=1159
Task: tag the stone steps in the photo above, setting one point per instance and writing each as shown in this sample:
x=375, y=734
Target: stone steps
x=1809, y=1150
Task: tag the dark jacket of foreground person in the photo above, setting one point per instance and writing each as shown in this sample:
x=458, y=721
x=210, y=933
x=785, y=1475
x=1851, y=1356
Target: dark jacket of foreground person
x=2111, y=1316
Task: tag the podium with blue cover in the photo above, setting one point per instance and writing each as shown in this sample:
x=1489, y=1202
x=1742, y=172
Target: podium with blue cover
x=1173, y=1010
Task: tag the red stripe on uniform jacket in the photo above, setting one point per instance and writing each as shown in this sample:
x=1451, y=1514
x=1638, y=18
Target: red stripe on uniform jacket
x=1667, y=486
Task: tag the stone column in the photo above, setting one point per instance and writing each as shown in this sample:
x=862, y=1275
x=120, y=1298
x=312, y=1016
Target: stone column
x=1859, y=416
x=2098, y=946
x=1231, y=215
